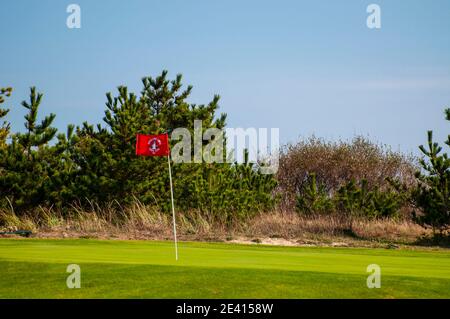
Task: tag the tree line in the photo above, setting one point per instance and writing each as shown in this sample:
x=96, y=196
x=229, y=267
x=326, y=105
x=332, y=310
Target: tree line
x=97, y=164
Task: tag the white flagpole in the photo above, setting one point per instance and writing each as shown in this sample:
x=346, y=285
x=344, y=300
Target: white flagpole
x=173, y=209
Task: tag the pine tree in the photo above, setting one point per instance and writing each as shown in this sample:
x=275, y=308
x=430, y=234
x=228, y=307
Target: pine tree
x=97, y=164
x=27, y=161
x=107, y=158
x=5, y=126
x=106, y=168
x=37, y=134
x=314, y=198
x=432, y=195
x=360, y=200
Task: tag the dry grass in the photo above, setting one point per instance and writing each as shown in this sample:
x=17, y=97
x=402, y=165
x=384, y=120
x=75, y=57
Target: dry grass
x=145, y=222
x=329, y=227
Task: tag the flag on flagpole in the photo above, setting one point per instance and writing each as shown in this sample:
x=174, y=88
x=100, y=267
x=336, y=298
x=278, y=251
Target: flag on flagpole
x=158, y=145
x=152, y=145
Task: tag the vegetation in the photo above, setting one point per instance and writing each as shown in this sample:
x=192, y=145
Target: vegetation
x=432, y=195
x=89, y=183
x=98, y=164
x=94, y=169
x=335, y=164
x=350, y=199
x=4, y=128
x=314, y=198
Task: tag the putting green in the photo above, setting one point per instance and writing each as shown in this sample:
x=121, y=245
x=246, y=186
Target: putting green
x=31, y=268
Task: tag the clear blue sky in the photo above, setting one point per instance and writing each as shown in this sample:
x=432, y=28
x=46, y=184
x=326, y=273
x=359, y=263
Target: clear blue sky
x=307, y=67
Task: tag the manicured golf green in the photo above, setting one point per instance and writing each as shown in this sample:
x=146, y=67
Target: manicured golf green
x=31, y=268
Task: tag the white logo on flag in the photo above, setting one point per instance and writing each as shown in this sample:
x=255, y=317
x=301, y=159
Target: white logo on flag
x=154, y=145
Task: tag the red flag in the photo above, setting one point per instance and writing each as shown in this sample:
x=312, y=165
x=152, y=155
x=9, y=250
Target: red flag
x=152, y=145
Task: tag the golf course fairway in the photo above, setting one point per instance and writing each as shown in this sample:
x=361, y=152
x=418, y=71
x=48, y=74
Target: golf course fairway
x=35, y=268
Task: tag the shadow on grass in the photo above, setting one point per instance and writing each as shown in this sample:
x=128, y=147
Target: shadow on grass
x=436, y=240
x=349, y=232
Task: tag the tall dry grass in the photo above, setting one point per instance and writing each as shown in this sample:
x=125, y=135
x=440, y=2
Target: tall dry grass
x=139, y=221
x=294, y=226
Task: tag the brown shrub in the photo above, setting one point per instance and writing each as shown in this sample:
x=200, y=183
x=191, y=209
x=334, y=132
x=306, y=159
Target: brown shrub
x=336, y=163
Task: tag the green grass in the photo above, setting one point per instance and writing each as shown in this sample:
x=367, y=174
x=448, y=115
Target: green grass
x=31, y=268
